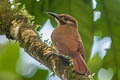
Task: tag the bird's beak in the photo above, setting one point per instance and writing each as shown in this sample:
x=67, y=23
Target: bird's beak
x=54, y=15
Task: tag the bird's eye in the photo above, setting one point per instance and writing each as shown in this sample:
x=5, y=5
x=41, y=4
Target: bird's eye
x=66, y=18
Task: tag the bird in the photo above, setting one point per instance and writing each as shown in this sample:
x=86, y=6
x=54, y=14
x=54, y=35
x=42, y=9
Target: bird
x=66, y=39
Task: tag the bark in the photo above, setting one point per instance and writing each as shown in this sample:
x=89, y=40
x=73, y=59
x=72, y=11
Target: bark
x=16, y=27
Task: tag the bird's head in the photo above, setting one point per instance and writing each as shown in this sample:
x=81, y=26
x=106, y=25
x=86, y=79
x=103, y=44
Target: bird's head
x=64, y=19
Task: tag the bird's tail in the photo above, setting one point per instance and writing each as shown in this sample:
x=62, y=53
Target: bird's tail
x=80, y=65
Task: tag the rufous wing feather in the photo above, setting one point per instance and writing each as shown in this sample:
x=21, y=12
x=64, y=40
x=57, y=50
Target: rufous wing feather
x=80, y=65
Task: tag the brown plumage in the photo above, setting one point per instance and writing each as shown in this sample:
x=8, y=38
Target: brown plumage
x=66, y=40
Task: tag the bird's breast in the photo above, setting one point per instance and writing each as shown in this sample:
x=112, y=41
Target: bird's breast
x=64, y=39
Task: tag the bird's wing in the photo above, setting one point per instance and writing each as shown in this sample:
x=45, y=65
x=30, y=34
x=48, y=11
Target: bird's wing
x=69, y=44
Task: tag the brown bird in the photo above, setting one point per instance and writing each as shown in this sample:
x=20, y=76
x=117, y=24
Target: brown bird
x=66, y=40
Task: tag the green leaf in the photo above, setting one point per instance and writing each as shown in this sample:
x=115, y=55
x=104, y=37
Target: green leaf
x=40, y=75
x=109, y=25
x=38, y=9
x=9, y=54
x=95, y=64
x=9, y=57
x=6, y=75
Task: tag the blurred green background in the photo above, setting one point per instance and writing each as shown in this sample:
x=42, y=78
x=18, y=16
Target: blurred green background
x=99, y=27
